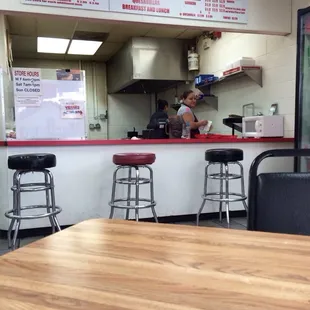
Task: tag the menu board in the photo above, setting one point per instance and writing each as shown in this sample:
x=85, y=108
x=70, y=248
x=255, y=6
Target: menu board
x=232, y=11
x=147, y=7
x=99, y=5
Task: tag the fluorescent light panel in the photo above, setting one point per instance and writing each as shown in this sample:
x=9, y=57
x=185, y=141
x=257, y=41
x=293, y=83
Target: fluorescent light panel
x=84, y=47
x=52, y=45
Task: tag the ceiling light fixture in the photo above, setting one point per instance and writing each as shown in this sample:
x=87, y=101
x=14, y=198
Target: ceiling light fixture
x=52, y=45
x=84, y=47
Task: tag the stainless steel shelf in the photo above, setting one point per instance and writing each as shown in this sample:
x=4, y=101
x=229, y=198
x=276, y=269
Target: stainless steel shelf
x=254, y=73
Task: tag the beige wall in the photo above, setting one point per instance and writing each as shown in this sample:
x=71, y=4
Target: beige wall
x=128, y=111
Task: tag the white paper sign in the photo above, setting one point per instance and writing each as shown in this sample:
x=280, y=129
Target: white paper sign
x=28, y=101
x=233, y=11
x=98, y=5
x=169, y=8
x=27, y=82
x=72, y=109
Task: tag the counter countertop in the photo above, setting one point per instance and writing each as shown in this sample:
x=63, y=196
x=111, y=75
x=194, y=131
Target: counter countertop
x=139, y=142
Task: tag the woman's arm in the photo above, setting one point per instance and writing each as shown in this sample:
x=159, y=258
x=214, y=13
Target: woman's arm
x=188, y=117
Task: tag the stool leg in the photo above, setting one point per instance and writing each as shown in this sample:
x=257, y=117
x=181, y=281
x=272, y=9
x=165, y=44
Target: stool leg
x=53, y=200
x=221, y=194
x=18, y=210
x=152, y=193
x=128, y=194
x=242, y=186
x=205, y=191
x=227, y=192
x=12, y=223
x=47, y=197
x=137, y=193
x=113, y=192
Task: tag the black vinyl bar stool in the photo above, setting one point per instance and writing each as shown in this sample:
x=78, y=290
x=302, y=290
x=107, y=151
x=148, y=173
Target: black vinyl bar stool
x=224, y=158
x=136, y=162
x=25, y=164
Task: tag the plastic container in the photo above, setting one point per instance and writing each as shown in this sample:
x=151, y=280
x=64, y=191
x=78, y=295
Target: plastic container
x=203, y=79
x=186, y=131
x=243, y=62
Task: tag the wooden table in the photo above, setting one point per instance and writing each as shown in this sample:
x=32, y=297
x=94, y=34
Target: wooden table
x=102, y=264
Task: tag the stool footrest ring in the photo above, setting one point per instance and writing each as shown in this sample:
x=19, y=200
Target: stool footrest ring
x=32, y=187
x=133, y=181
x=115, y=204
x=218, y=176
x=239, y=197
x=9, y=214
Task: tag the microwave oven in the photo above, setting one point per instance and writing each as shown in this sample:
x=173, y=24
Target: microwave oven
x=263, y=126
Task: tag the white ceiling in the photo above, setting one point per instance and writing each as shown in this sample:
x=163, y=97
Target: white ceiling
x=24, y=31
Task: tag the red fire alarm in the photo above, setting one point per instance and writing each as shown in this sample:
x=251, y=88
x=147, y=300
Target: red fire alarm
x=217, y=34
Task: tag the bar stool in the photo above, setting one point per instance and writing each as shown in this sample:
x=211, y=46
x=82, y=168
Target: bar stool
x=224, y=158
x=23, y=165
x=130, y=161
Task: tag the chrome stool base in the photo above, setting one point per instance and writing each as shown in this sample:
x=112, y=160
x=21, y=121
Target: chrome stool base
x=135, y=203
x=16, y=215
x=223, y=196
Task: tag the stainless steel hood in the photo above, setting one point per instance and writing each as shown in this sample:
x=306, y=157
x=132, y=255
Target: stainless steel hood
x=148, y=65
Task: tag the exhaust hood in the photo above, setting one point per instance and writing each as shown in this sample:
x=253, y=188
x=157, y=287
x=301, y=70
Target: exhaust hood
x=148, y=65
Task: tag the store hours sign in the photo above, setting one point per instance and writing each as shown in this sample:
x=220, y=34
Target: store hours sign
x=27, y=82
x=233, y=11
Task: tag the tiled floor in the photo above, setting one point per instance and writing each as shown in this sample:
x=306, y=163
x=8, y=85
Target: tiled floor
x=236, y=223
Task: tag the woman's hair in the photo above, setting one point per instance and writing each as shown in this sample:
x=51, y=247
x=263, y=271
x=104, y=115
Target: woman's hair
x=186, y=94
x=161, y=104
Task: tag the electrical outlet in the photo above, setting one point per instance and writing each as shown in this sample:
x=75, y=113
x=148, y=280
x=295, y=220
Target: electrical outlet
x=91, y=126
x=102, y=117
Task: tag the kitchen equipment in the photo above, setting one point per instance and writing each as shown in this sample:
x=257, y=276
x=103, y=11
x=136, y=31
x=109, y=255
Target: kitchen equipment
x=147, y=65
x=133, y=133
x=245, y=107
x=234, y=122
x=263, y=126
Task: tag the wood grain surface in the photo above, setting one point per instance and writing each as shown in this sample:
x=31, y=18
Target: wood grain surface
x=102, y=264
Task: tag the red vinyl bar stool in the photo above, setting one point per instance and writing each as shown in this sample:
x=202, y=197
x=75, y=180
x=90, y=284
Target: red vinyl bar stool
x=130, y=161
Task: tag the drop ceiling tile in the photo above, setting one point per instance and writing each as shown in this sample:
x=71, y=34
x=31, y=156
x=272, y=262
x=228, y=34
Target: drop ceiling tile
x=122, y=33
x=94, y=26
x=58, y=28
x=24, y=25
x=108, y=49
x=24, y=44
x=189, y=34
x=38, y=56
x=163, y=32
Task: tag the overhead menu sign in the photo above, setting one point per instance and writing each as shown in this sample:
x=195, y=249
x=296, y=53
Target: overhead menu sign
x=147, y=7
x=98, y=5
x=232, y=11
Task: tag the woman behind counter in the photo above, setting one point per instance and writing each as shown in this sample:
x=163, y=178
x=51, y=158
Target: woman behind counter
x=185, y=111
